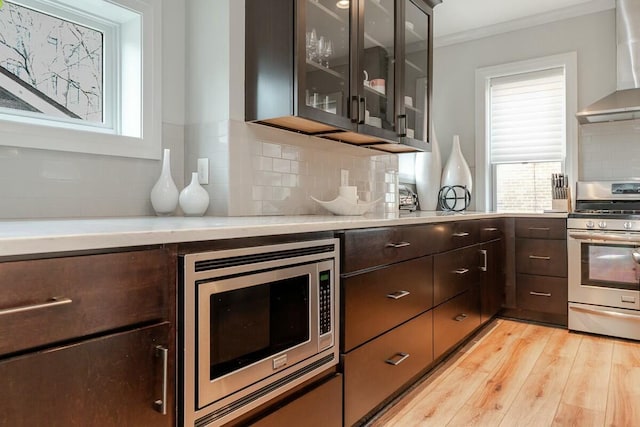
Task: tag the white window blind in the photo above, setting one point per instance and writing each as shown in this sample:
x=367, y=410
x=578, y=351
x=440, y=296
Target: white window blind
x=527, y=122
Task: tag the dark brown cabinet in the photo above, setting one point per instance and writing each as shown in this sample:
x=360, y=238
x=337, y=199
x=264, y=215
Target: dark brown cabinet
x=88, y=340
x=492, y=280
x=357, y=72
x=454, y=320
x=541, y=270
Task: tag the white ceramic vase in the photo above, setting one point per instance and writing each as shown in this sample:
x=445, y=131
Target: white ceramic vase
x=194, y=200
x=164, y=194
x=428, y=170
x=456, y=172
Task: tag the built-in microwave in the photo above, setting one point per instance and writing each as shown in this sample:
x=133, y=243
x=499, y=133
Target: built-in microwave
x=257, y=322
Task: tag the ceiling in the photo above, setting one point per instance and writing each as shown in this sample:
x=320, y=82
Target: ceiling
x=468, y=19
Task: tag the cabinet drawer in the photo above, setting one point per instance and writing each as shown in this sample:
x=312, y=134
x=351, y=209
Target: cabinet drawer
x=455, y=272
x=381, y=246
x=455, y=234
x=542, y=293
x=379, y=300
x=454, y=320
x=376, y=370
x=320, y=407
x=541, y=228
x=94, y=292
x=490, y=229
x=542, y=257
x=108, y=381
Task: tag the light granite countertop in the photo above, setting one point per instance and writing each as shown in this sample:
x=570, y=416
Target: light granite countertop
x=22, y=237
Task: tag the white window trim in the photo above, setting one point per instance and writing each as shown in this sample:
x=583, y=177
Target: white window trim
x=140, y=133
x=483, y=184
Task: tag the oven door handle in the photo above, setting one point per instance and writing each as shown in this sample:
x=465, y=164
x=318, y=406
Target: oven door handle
x=636, y=256
x=610, y=237
x=607, y=313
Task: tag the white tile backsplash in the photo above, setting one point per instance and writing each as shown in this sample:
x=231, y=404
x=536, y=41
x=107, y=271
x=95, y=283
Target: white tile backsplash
x=610, y=151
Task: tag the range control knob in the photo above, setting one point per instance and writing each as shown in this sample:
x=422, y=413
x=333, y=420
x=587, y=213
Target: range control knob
x=590, y=224
x=602, y=224
x=628, y=225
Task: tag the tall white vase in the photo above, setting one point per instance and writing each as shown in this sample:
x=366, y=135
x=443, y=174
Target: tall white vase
x=194, y=200
x=456, y=172
x=428, y=169
x=164, y=194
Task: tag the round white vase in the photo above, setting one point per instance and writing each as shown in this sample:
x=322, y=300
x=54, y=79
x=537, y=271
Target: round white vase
x=194, y=200
x=164, y=194
x=456, y=172
x=428, y=170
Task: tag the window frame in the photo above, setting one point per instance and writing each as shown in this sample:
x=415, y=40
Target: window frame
x=132, y=125
x=485, y=177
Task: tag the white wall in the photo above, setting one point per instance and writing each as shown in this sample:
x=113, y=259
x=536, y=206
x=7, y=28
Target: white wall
x=42, y=183
x=591, y=36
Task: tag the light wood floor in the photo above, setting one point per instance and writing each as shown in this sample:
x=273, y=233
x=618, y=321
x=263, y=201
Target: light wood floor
x=519, y=374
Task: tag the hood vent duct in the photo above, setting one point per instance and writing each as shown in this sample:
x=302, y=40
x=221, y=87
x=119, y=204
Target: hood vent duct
x=624, y=103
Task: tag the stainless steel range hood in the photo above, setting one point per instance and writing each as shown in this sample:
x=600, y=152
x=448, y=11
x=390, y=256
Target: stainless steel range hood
x=623, y=104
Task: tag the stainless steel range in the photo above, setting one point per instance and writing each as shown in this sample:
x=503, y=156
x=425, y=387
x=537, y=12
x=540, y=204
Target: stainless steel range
x=603, y=245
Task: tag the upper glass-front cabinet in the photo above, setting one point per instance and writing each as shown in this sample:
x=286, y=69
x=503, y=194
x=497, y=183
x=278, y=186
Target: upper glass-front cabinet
x=357, y=71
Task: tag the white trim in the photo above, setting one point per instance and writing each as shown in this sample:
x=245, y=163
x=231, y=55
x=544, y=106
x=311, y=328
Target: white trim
x=483, y=176
x=593, y=6
x=137, y=130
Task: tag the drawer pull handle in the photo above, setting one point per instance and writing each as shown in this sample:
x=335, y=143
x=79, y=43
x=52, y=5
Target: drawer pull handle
x=398, y=245
x=490, y=229
x=398, y=294
x=395, y=362
x=461, y=271
x=539, y=229
x=461, y=234
x=161, y=404
x=483, y=252
x=540, y=294
x=460, y=317
x=544, y=258
x=54, y=302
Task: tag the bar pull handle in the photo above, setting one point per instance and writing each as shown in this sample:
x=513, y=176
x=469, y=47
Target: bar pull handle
x=397, y=359
x=398, y=245
x=460, y=317
x=540, y=294
x=355, y=118
x=398, y=294
x=461, y=271
x=362, y=110
x=490, y=229
x=544, y=258
x=402, y=125
x=484, y=257
x=161, y=404
x=53, y=302
x=460, y=234
x=539, y=228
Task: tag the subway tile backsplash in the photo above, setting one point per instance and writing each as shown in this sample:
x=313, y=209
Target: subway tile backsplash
x=610, y=151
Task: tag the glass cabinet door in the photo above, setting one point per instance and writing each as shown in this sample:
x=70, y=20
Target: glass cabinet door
x=325, y=61
x=377, y=62
x=416, y=72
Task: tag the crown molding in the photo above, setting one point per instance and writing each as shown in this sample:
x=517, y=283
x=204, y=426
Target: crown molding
x=593, y=6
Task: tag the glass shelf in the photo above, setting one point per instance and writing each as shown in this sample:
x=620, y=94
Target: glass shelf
x=324, y=69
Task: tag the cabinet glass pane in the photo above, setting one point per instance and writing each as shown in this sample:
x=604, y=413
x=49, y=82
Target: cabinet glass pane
x=379, y=63
x=327, y=56
x=416, y=36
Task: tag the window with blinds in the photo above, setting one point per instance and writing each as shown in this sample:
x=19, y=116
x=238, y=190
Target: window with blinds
x=527, y=137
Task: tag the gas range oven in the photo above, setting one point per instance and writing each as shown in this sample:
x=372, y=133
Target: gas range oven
x=603, y=249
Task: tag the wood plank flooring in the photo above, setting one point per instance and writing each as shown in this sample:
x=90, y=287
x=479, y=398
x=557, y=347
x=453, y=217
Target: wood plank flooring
x=520, y=374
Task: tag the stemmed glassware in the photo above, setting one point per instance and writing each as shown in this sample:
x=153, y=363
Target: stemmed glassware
x=319, y=50
x=312, y=44
x=327, y=52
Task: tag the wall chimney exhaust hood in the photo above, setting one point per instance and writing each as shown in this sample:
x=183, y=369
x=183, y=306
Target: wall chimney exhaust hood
x=623, y=104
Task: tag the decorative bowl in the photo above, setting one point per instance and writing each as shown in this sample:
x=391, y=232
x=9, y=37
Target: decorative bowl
x=343, y=206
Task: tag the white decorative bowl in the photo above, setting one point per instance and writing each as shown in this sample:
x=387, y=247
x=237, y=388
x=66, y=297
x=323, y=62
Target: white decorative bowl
x=343, y=206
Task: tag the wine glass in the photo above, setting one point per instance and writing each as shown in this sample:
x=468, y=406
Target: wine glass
x=312, y=43
x=322, y=45
x=328, y=51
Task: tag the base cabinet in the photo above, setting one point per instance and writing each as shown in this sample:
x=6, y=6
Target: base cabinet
x=454, y=320
x=376, y=370
x=109, y=381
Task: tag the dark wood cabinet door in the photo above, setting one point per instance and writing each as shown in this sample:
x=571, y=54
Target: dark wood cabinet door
x=493, y=279
x=542, y=294
x=108, y=381
x=542, y=257
x=455, y=272
x=541, y=228
x=379, y=300
x=454, y=320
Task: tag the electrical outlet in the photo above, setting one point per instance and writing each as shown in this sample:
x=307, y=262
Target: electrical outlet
x=203, y=171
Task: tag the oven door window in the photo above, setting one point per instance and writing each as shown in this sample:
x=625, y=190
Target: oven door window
x=252, y=323
x=610, y=266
